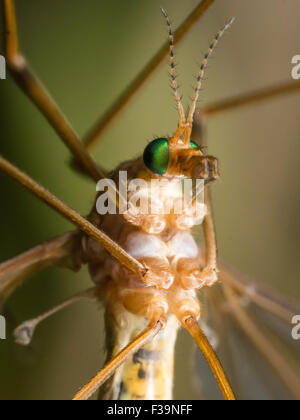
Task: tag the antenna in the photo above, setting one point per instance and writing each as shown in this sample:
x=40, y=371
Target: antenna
x=173, y=71
x=201, y=73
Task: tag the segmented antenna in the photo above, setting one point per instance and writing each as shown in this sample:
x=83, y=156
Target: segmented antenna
x=202, y=69
x=173, y=71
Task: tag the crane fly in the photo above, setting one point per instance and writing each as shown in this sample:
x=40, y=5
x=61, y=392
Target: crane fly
x=147, y=268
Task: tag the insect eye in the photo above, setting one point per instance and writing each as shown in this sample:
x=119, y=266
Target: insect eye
x=194, y=145
x=156, y=156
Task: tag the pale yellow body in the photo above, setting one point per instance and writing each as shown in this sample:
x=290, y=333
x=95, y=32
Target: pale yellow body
x=173, y=256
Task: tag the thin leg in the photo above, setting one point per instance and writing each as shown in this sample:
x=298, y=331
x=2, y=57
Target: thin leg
x=24, y=333
x=148, y=334
x=105, y=121
x=40, y=97
x=220, y=325
x=193, y=328
x=274, y=356
x=210, y=237
x=191, y=277
x=63, y=250
x=70, y=214
x=250, y=98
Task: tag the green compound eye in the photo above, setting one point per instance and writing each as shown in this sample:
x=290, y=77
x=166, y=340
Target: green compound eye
x=194, y=145
x=156, y=156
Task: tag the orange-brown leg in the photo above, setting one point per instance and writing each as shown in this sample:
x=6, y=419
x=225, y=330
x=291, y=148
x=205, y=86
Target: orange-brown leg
x=40, y=97
x=114, y=249
x=250, y=98
x=212, y=359
x=191, y=277
x=185, y=306
x=147, y=335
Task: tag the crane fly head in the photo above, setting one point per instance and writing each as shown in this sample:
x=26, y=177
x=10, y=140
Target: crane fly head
x=164, y=158
x=180, y=156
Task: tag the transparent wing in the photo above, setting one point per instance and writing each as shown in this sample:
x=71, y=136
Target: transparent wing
x=255, y=344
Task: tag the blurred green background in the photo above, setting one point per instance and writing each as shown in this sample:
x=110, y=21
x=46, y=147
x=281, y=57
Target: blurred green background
x=86, y=53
